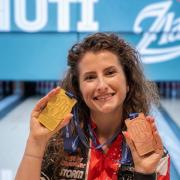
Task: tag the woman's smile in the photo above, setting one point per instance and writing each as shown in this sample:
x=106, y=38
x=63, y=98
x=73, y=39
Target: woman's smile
x=104, y=97
x=102, y=82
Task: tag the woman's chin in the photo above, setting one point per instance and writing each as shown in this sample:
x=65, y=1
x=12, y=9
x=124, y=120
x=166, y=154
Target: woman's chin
x=105, y=110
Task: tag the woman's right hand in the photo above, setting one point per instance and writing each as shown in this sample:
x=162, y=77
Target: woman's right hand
x=39, y=133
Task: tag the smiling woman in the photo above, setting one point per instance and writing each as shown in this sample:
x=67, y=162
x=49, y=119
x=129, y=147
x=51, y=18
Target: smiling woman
x=106, y=78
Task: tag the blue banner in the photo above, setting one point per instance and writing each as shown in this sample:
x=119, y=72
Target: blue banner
x=36, y=35
x=89, y=15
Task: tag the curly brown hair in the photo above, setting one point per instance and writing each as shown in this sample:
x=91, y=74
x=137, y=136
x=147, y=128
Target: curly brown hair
x=142, y=93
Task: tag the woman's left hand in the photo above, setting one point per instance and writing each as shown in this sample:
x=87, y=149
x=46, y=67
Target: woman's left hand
x=146, y=164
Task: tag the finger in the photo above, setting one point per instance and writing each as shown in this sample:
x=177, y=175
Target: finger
x=129, y=141
x=159, y=144
x=156, y=135
x=152, y=123
x=64, y=122
x=43, y=101
x=150, y=118
x=159, y=151
x=158, y=141
x=53, y=92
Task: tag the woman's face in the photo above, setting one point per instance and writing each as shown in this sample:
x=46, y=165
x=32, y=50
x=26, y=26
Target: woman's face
x=102, y=82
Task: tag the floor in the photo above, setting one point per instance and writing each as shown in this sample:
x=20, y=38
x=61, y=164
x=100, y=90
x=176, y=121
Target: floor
x=14, y=129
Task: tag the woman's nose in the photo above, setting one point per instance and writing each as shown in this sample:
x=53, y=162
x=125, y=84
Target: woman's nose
x=102, y=85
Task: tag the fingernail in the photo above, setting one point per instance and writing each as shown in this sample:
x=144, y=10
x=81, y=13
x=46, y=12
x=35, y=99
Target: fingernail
x=125, y=133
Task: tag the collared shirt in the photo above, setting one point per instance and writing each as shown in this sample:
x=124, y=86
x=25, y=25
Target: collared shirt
x=93, y=164
x=104, y=166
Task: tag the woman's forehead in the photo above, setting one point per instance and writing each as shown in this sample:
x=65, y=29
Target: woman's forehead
x=98, y=61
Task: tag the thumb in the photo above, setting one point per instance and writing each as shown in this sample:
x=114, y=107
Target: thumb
x=64, y=122
x=129, y=141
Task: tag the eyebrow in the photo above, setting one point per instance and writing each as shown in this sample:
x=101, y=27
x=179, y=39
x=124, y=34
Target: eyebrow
x=110, y=67
x=89, y=73
x=93, y=72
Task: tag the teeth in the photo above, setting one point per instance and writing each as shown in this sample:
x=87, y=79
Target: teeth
x=103, y=97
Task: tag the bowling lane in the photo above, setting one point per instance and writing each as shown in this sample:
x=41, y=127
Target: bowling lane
x=14, y=128
x=172, y=106
x=170, y=137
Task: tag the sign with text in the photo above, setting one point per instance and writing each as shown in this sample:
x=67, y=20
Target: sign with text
x=152, y=26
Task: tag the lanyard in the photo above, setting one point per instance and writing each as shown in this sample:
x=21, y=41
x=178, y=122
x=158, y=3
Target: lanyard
x=126, y=158
x=94, y=139
x=71, y=141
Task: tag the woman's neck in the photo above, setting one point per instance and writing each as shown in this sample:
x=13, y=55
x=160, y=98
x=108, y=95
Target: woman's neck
x=107, y=124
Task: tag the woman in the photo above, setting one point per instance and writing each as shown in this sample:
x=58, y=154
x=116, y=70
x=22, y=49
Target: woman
x=106, y=78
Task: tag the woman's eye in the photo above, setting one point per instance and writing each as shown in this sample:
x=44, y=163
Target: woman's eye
x=110, y=72
x=91, y=77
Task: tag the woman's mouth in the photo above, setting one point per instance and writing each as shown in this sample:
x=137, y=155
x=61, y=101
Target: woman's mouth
x=104, y=97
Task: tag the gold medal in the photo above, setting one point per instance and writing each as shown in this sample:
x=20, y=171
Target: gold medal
x=57, y=108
